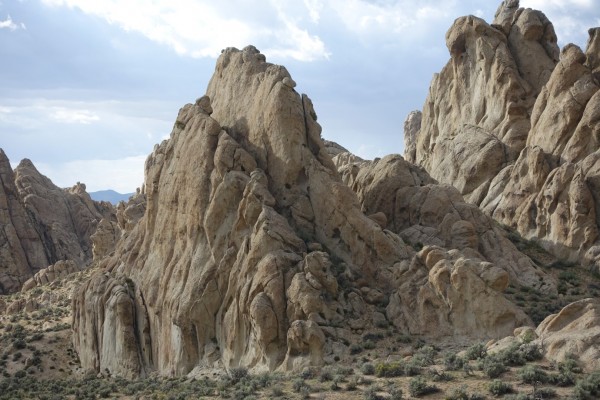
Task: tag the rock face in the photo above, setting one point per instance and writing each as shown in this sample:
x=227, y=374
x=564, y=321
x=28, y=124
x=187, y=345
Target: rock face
x=48, y=275
x=423, y=213
x=515, y=130
x=42, y=224
x=412, y=126
x=574, y=330
x=253, y=252
x=22, y=252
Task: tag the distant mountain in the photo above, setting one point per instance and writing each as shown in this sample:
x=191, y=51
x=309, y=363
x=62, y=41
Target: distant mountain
x=110, y=195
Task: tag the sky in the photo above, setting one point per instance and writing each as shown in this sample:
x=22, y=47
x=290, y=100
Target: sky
x=87, y=88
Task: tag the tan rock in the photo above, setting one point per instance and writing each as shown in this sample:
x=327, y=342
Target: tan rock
x=574, y=330
x=412, y=126
x=517, y=132
x=42, y=224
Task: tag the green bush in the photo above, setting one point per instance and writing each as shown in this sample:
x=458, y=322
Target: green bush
x=369, y=345
x=352, y=385
x=367, y=369
x=492, y=366
x=389, y=370
x=458, y=393
x=355, y=348
x=588, y=387
x=498, y=388
x=371, y=394
x=476, y=351
x=299, y=385
x=453, y=362
x=545, y=393
x=533, y=374
x=326, y=375
x=395, y=393
x=425, y=356
x=238, y=373
x=418, y=387
x=412, y=368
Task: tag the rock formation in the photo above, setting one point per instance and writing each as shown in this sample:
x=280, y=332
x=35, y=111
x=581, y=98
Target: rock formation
x=514, y=129
x=42, y=224
x=253, y=252
x=574, y=330
x=22, y=253
x=48, y=275
x=425, y=213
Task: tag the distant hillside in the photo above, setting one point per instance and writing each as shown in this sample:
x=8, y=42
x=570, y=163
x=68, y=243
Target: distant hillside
x=110, y=195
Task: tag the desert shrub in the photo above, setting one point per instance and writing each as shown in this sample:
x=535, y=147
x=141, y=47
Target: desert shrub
x=276, y=391
x=588, y=387
x=476, y=351
x=299, y=385
x=519, y=396
x=372, y=336
x=425, y=356
x=461, y=393
x=530, y=351
x=238, y=373
x=545, y=393
x=344, y=371
x=492, y=366
x=371, y=394
x=20, y=374
x=566, y=372
x=419, y=387
x=412, y=368
x=532, y=374
x=458, y=393
x=453, y=362
x=389, y=370
x=403, y=338
x=355, y=348
x=395, y=393
x=19, y=343
x=367, y=369
x=439, y=376
x=352, y=385
x=369, y=345
x=326, y=375
x=498, y=388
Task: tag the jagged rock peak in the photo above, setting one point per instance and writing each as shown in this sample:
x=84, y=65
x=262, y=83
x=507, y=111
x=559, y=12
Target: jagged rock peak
x=412, y=127
x=252, y=252
x=42, y=223
x=512, y=125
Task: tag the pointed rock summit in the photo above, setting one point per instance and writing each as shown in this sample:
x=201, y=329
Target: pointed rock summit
x=512, y=123
x=42, y=224
x=253, y=252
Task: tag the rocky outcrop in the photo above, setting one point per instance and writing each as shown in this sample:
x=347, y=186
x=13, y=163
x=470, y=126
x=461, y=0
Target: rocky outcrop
x=42, y=224
x=424, y=213
x=59, y=270
x=22, y=252
x=476, y=116
x=514, y=129
x=253, y=252
x=412, y=126
x=575, y=330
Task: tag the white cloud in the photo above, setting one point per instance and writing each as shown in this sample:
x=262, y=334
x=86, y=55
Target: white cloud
x=202, y=29
x=314, y=8
x=392, y=20
x=9, y=24
x=560, y=4
x=123, y=175
x=73, y=116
